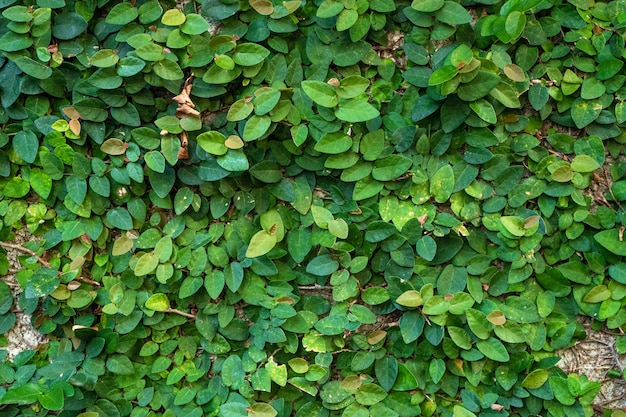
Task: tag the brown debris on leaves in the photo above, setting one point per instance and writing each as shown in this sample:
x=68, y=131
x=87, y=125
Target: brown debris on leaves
x=185, y=105
x=184, y=143
x=74, y=117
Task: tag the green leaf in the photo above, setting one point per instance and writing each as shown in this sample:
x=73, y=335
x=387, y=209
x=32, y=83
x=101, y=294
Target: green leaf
x=239, y=110
x=168, y=70
x=484, y=110
x=436, y=369
x=410, y=298
x=42, y=283
x=346, y=19
x=120, y=365
x=584, y=163
x=386, y=370
x=104, y=58
x=514, y=225
x=129, y=66
x=535, y=379
x=514, y=24
x=478, y=323
x=427, y=5
x=41, y=182
x=24, y=394
x=370, y=394
x=122, y=14
x=585, y=111
x=460, y=337
x=33, y=68
x=266, y=171
x=256, y=127
x=16, y=187
x=322, y=265
x=391, y=167
x=329, y=8
x=426, y=247
x=261, y=410
x=158, y=302
x=194, y=25
x=68, y=25
x=411, y=325
x=442, y=183
x=481, y=85
x=597, y=294
x=338, y=228
x=576, y=271
x=233, y=160
x=18, y=14
x=620, y=112
x=146, y=264
x=155, y=161
x=611, y=240
x=442, y=74
x=114, y=146
x=26, y=145
x=460, y=411
x=212, y=142
x=77, y=189
x=92, y=109
x=493, y=349
x=13, y=42
x=453, y=13
x=249, y=54
x=560, y=388
x=332, y=325
x=334, y=143
x=321, y=93
x=173, y=17
x=352, y=86
x=53, y=399
x=261, y=243
x=120, y=218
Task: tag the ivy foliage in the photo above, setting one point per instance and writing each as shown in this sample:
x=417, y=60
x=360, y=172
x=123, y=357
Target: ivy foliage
x=322, y=207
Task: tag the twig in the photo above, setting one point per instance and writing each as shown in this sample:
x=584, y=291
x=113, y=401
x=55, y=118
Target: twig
x=612, y=400
x=315, y=287
x=608, y=185
x=42, y=261
x=181, y=313
x=26, y=250
x=87, y=280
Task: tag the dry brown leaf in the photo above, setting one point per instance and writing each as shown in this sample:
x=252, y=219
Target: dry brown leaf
x=75, y=126
x=71, y=112
x=185, y=104
x=182, y=153
x=184, y=142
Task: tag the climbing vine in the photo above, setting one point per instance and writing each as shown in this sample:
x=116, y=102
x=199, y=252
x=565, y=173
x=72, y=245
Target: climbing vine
x=270, y=208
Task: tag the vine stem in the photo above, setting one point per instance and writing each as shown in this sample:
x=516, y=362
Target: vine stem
x=42, y=261
x=26, y=250
x=181, y=313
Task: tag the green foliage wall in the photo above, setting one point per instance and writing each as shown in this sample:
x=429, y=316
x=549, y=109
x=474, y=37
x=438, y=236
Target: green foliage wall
x=355, y=208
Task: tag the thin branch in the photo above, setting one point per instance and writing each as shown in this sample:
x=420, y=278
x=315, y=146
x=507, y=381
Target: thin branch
x=612, y=400
x=315, y=287
x=87, y=280
x=42, y=261
x=608, y=185
x=181, y=313
x=25, y=250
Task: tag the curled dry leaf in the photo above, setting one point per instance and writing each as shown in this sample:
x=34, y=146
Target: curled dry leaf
x=184, y=143
x=185, y=105
x=75, y=126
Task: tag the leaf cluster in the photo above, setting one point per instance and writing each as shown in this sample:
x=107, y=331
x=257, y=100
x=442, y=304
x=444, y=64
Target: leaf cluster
x=310, y=208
